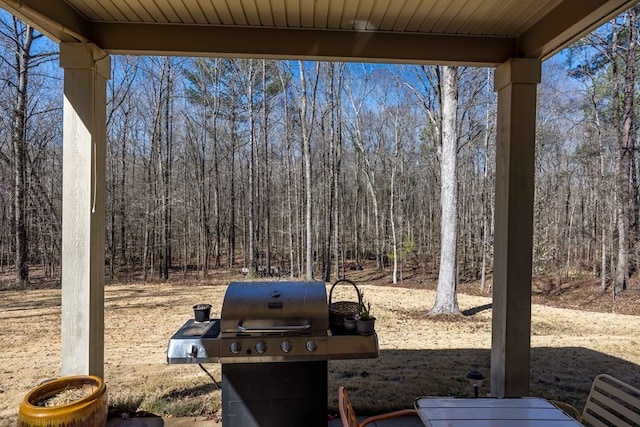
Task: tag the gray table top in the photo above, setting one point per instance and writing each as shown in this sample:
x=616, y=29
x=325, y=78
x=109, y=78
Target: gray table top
x=491, y=412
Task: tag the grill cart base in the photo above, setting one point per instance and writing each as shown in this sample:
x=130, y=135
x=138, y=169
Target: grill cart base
x=287, y=394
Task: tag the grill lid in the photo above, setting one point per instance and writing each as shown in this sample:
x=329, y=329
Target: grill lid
x=275, y=307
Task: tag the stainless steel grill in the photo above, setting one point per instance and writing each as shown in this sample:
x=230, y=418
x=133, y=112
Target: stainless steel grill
x=273, y=340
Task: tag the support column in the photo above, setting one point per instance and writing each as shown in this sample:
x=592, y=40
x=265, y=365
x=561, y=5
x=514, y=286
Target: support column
x=86, y=70
x=516, y=83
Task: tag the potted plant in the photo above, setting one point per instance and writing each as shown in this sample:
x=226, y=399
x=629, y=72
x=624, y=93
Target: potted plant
x=80, y=401
x=365, y=322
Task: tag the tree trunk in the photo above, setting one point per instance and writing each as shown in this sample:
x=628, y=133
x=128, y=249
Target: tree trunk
x=485, y=193
x=446, y=300
x=306, y=125
x=338, y=198
x=232, y=196
x=333, y=169
x=624, y=160
x=122, y=197
x=392, y=196
x=267, y=178
x=216, y=167
x=392, y=218
x=252, y=161
x=288, y=175
x=370, y=175
x=217, y=262
x=19, y=140
x=166, y=165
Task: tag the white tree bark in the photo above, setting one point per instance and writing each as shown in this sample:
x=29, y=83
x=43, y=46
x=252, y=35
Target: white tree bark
x=305, y=128
x=485, y=181
x=392, y=213
x=446, y=299
x=252, y=160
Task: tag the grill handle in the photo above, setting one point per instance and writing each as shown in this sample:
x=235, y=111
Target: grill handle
x=283, y=328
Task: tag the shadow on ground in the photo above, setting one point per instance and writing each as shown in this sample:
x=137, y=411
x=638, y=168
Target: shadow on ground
x=397, y=377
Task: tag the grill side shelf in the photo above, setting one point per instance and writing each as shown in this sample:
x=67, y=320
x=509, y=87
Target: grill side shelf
x=195, y=342
x=353, y=346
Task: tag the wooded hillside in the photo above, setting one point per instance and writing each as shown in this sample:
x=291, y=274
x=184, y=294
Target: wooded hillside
x=221, y=162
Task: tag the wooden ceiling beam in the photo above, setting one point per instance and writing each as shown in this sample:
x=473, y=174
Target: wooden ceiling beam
x=54, y=18
x=567, y=23
x=308, y=44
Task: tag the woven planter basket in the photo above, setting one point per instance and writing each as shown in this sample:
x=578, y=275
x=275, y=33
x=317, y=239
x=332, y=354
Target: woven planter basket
x=340, y=310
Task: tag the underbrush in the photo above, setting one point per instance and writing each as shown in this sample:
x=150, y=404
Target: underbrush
x=174, y=403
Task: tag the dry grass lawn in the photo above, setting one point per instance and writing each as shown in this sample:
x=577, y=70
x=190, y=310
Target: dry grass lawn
x=419, y=355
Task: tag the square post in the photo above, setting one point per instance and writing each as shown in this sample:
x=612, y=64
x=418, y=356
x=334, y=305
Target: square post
x=516, y=83
x=86, y=70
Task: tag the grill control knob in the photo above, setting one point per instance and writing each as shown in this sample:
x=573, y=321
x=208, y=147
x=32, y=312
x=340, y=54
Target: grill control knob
x=286, y=346
x=261, y=347
x=312, y=345
x=235, y=347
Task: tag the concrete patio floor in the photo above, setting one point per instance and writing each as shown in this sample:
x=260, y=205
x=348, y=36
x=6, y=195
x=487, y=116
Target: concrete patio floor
x=203, y=422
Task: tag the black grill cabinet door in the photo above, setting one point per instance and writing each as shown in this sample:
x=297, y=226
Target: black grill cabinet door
x=282, y=394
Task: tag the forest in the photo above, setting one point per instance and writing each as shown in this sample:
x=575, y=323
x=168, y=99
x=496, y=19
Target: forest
x=272, y=166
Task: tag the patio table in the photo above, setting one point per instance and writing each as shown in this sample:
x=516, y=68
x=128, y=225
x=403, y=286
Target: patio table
x=491, y=412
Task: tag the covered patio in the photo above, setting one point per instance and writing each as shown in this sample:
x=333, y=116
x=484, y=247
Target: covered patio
x=513, y=36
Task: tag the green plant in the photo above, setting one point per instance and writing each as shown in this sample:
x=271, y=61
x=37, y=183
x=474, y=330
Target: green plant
x=364, y=311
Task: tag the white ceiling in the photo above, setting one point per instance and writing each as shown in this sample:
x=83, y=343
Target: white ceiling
x=466, y=17
x=474, y=32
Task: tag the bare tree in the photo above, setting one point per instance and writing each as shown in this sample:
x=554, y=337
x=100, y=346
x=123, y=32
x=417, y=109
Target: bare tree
x=623, y=169
x=158, y=238
x=487, y=218
x=266, y=172
x=334, y=90
x=120, y=112
x=360, y=123
x=281, y=175
x=392, y=194
x=21, y=39
x=307, y=117
x=446, y=299
x=252, y=169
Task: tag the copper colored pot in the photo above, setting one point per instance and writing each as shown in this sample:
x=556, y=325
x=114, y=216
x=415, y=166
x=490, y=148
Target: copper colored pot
x=88, y=411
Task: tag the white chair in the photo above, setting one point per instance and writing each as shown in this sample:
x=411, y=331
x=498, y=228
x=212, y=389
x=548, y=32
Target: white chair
x=611, y=403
